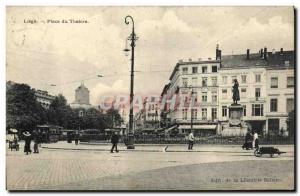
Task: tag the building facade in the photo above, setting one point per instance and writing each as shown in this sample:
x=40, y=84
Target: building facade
x=43, y=98
x=197, y=82
x=266, y=86
x=148, y=118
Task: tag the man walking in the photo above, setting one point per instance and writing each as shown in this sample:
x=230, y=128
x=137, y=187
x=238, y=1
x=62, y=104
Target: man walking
x=114, y=141
x=191, y=140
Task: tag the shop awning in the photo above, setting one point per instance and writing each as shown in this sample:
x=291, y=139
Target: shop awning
x=197, y=126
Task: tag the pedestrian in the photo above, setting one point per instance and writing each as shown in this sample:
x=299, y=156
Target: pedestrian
x=248, y=140
x=191, y=140
x=36, y=142
x=255, y=140
x=27, y=138
x=114, y=141
x=76, y=137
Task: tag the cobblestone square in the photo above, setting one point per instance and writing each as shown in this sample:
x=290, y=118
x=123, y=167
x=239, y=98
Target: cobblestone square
x=64, y=166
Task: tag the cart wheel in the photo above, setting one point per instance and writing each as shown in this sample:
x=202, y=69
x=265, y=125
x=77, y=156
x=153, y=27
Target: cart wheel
x=257, y=153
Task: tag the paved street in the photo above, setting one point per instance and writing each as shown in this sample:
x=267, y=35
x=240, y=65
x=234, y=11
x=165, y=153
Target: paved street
x=63, y=166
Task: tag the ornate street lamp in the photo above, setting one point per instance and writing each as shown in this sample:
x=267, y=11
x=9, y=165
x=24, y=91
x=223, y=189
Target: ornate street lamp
x=131, y=38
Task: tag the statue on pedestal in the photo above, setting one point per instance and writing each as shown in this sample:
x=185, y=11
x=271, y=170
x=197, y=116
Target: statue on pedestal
x=235, y=92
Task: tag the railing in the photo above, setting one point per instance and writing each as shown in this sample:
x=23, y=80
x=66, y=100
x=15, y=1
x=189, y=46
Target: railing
x=148, y=139
x=213, y=139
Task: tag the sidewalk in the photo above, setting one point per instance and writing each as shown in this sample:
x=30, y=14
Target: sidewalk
x=63, y=145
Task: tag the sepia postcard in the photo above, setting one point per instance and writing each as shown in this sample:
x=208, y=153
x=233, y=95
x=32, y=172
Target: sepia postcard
x=183, y=98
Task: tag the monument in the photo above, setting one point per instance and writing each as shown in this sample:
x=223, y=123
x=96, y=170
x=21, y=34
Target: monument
x=235, y=125
x=235, y=110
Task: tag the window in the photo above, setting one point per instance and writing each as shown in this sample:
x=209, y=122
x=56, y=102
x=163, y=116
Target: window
x=204, y=82
x=243, y=92
x=290, y=82
x=214, y=69
x=204, y=96
x=204, y=69
x=214, y=81
x=224, y=111
x=274, y=82
x=289, y=104
x=257, y=78
x=214, y=97
x=194, y=81
x=184, y=70
x=224, y=79
x=245, y=110
x=213, y=113
x=257, y=93
x=195, y=70
x=257, y=109
x=204, y=113
x=224, y=93
x=233, y=78
x=273, y=105
x=194, y=96
x=194, y=113
x=184, y=114
x=184, y=82
x=244, y=79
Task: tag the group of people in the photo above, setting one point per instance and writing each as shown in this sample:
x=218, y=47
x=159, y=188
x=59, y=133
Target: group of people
x=251, y=141
x=28, y=137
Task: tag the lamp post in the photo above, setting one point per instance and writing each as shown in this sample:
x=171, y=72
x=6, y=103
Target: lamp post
x=131, y=38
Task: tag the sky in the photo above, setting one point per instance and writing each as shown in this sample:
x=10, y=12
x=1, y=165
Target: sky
x=58, y=57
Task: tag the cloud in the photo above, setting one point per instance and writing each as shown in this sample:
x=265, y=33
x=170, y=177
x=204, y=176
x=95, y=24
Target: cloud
x=117, y=88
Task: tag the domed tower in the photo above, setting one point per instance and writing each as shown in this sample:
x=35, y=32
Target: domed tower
x=82, y=95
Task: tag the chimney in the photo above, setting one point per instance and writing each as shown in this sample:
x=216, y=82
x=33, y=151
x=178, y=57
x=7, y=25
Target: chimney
x=265, y=53
x=261, y=53
x=248, y=54
x=190, y=59
x=218, y=53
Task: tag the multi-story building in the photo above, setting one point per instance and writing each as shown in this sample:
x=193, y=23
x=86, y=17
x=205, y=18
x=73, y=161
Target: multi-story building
x=43, y=98
x=148, y=117
x=197, y=80
x=280, y=90
x=266, y=85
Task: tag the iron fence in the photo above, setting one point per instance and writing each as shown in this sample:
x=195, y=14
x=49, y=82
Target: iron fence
x=149, y=139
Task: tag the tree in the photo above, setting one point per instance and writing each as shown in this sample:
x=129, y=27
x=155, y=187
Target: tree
x=291, y=123
x=60, y=113
x=22, y=110
x=113, y=117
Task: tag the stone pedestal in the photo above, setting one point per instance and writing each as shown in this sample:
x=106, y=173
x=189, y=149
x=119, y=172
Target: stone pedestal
x=235, y=115
x=235, y=125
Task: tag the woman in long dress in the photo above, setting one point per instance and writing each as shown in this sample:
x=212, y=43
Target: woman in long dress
x=27, y=138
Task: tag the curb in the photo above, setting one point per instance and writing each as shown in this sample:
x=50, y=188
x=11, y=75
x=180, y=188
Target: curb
x=138, y=150
x=103, y=150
